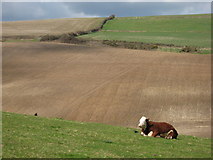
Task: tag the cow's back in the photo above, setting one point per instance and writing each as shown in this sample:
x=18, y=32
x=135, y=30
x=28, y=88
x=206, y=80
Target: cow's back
x=161, y=127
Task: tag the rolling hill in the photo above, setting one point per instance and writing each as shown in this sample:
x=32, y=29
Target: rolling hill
x=179, y=30
x=36, y=28
x=102, y=84
x=35, y=137
x=108, y=85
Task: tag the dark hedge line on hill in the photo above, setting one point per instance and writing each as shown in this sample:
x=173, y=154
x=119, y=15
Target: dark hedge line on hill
x=64, y=38
x=130, y=45
x=71, y=37
x=98, y=28
x=148, y=46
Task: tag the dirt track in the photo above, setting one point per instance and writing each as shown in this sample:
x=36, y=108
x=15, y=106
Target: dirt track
x=108, y=85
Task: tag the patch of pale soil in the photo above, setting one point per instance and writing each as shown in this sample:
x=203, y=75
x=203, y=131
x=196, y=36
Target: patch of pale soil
x=108, y=85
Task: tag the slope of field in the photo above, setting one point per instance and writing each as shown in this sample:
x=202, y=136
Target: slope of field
x=37, y=28
x=35, y=137
x=108, y=85
x=181, y=30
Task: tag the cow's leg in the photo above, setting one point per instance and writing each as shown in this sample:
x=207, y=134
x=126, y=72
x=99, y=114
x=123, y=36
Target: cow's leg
x=169, y=134
x=143, y=133
x=154, y=134
x=150, y=133
x=163, y=135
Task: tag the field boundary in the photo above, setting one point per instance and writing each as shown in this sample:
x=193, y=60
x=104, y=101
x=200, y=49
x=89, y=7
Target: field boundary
x=78, y=33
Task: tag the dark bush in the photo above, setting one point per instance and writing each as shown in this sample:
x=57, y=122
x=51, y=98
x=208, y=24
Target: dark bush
x=70, y=38
x=150, y=46
x=66, y=38
x=79, y=33
x=112, y=43
x=189, y=49
x=49, y=37
x=111, y=17
x=105, y=20
x=3, y=40
x=73, y=34
x=130, y=45
x=96, y=29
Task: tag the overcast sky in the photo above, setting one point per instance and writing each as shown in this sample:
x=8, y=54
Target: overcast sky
x=13, y=11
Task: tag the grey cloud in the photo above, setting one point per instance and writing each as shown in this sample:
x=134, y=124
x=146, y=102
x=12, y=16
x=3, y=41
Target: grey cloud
x=33, y=11
x=46, y=10
x=143, y=9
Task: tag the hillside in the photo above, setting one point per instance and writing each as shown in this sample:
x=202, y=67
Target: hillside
x=180, y=30
x=108, y=85
x=34, y=137
x=168, y=33
x=36, y=28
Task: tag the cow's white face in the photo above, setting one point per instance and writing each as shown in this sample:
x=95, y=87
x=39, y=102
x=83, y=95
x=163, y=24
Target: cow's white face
x=142, y=122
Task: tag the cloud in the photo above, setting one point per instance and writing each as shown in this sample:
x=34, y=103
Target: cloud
x=107, y=0
x=141, y=9
x=45, y=10
x=187, y=8
x=33, y=11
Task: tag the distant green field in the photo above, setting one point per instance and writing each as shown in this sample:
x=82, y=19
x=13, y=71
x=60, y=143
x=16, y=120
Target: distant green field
x=35, y=137
x=181, y=30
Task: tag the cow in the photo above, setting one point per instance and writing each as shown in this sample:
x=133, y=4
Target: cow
x=154, y=129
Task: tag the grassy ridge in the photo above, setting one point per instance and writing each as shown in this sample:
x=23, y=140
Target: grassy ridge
x=29, y=136
x=190, y=39
x=192, y=30
x=185, y=23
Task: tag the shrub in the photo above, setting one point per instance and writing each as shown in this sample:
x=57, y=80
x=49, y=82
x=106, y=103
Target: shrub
x=49, y=37
x=189, y=49
x=130, y=45
x=70, y=38
x=111, y=17
x=79, y=33
x=66, y=38
x=3, y=40
x=112, y=43
x=96, y=29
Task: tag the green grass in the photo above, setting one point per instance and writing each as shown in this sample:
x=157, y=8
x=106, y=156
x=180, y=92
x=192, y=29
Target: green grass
x=191, y=30
x=178, y=50
x=35, y=137
x=178, y=39
x=181, y=23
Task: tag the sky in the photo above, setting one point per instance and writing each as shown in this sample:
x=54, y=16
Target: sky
x=42, y=9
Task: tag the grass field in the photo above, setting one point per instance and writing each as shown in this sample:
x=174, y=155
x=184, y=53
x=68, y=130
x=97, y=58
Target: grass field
x=191, y=30
x=36, y=28
x=35, y=137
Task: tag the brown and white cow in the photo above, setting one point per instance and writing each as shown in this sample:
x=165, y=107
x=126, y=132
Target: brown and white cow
x=162, y=129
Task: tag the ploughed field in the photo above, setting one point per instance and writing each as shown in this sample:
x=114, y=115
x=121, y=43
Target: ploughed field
x=36, y=28
x=108, y=85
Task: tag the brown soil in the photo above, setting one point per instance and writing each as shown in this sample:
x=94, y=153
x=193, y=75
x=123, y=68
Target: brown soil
x=37, y=28
x=108, y=85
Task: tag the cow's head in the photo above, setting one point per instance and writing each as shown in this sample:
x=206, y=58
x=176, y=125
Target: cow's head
x=143, y=122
